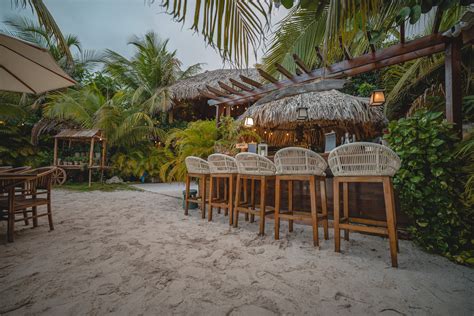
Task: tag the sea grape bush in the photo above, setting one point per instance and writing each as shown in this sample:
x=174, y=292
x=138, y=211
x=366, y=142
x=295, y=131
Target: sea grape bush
x=430, y=185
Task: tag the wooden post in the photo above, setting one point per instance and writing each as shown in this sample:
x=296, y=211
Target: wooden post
x=102, y=159
x=91, y=159
x=227, y=110
x=55, y=159
x=452, y=67
x=218, y=114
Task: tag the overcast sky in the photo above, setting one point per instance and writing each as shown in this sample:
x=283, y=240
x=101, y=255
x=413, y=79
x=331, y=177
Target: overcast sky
x=101, y=24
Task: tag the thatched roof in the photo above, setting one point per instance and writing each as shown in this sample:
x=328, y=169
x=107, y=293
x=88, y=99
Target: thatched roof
x=79, y=134
x=188, y=88
x=327, y=111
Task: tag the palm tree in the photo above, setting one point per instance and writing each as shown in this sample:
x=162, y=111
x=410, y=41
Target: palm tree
x=123, y=123
x=30, y=31
x=147, y=74
x=46, y=20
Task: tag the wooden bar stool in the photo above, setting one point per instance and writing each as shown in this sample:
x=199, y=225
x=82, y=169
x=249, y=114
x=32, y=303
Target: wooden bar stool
x=197, y=169
x=364, y=162
x=253, y=167
x=222, y=167
x=299, y=164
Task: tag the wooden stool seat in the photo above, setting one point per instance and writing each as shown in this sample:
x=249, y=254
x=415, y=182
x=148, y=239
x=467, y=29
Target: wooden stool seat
x=197, y=168
x=300, y=164
x=368, y=163
x=255, y=168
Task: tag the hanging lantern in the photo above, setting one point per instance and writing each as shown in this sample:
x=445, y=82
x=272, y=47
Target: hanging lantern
x=302, y=113
x=377, y=98
x=248, y=121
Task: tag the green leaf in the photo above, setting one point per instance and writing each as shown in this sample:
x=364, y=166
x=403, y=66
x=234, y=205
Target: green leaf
x=415, y=14
x=288, y=4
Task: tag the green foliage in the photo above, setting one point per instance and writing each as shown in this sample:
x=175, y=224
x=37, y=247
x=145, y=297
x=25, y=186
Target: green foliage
x=97, y=186
x=198, y=139
x=465, y=152
x=363, y=85
x=136, y=162
x=231, y=132
x=429, y=185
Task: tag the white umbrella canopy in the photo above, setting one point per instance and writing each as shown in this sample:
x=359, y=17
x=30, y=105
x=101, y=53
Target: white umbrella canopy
x=27, y=68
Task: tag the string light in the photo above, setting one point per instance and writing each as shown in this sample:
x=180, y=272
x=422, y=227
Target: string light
x=287, y=134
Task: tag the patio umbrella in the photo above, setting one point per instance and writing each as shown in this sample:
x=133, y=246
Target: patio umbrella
x=28, y=68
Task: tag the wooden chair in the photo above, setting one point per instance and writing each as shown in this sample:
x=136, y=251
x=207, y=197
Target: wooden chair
x=253, y=167
x=222, y=167
x=197, y=168
x=364, y=162
x=299, y=164
x=25, y=193
x=15, y=170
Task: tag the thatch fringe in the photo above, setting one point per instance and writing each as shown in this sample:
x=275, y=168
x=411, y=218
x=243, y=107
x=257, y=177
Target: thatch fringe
x=187, y=89
x=328, y=111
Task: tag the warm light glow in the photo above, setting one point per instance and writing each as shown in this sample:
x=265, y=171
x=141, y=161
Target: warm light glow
x=302, y=113
x=248, y=122
x=265, y=132
x=287, y=134
x=377, y=98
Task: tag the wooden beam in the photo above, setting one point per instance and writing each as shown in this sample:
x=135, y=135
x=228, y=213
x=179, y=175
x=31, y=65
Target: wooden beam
x=251, y=81
x=228, y=88
x=453, y=84
x=398, y=53
x=267, y=76
x=347, y=55
x=284, y=71
x=301, y=64
x=372, y=46
x=207, y=94
x=240, y=85
x=217, y=91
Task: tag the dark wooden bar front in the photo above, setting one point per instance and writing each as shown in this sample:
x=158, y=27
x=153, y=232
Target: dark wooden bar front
x=365, y=199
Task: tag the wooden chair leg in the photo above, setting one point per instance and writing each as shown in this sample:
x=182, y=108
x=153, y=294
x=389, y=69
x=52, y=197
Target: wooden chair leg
x=11, y=225
x=324, y=207
x=277, y=208
x=252, y=200
x=211, y=190
x=390, y=209
x=218, y=190
x=50, y=215
x=314, y=211
x=237, y=202
x=263, y=186
x=203, y=197
x=226, y=194
x=290, y=204
x=345, y=202
x=186, y=201
x=394, y=214
x=25, y=217
x=34, y=212
x=337, y=233
x=229, y=199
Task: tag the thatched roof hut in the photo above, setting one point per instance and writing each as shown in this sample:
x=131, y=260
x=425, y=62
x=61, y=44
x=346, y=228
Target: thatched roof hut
x=188, y=88
x=328, y=111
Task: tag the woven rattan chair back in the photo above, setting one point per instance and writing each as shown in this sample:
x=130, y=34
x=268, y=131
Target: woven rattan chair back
x=253, y=164
x=196, y=165
x=295, y=160
x=219, y=163
x=363, y=159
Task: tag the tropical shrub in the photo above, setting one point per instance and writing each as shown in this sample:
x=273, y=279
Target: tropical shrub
x=198, y=139
x=430, y=187
x=231, y=132
x=147, y=160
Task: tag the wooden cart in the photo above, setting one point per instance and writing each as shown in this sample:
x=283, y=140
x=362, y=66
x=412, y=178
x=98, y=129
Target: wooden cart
x=92, y=136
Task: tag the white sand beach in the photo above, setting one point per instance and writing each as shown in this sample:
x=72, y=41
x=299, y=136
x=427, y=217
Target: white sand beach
x=135, y=253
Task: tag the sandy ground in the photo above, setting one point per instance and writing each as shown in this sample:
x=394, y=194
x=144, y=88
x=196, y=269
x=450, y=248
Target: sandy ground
x=136, y=253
